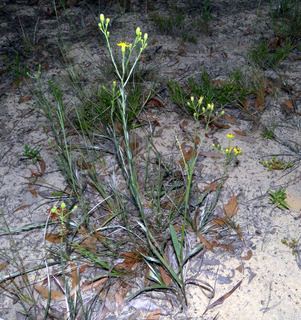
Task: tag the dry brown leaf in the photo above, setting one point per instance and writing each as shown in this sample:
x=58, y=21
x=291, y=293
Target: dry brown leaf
x=220, y=125
x=84, y=165
x=22, y=207
x=90, y=244
x=212, y=186
x=154, y=315
x=32, y=190
x=230, y=118
x=274, y=43
x=187, y=151
x=288, y=105
x=131, y=259
x=248, y=256
x=24, y=99
x=155, y=103
x=224, y=297
x=260, y=98
x=197, y=140
x=240, y=133
x=183, y=124
x=165, y=277
x=44, y=292
x=74, y=276
x=94, y=284
x=226, y=247
x=240, y=268
x=231, y=207
x=245, y=104
x=207, y=244
x=53, y=237
x=219, y=222
x=42, y=166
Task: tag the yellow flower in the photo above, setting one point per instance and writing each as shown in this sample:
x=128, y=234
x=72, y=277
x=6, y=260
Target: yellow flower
x=230, y=135
x=237, y=151
x=123, y=45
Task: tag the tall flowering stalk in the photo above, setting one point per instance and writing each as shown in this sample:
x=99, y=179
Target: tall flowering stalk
x=127, y=51
x=126, y=157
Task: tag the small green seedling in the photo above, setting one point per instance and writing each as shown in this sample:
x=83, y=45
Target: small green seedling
x=268, y=134
x=31, y=153
x=278, y=198
x=276, y=164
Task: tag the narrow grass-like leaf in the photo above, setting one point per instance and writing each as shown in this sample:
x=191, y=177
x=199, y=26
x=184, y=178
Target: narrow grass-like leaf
x=176, y=243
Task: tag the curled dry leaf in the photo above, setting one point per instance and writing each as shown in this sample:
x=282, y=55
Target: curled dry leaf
x=240, y=268
x=231, y=207
x=155, y=102
x=165, y=277
x=220, y=125
x=248, y=256
x=197, y=140
x=24, y=99
x=131, y=259
x=90, y=244
x=94, y=284
x=154, y=315
x=187, y=151
x=240, y=133
x=24, y=206
x=212, y=186
x=53, y=237
x=183, y=125
x=260, y=98
x=44, y=292
x=230, y=118
x=74, y=275
x=288, y=105
x=42, y=166
x=224, y=297
x=207, y=244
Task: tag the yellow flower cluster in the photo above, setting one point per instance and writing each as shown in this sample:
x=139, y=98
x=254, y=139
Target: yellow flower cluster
x=233, y=150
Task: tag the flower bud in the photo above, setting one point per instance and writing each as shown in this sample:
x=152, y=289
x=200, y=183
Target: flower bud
x=145, y=37
x=53, y=209
x=138, y=32
x=63, y=205
x=107, y=21
x=200, y=100
x=102, y=18
x=192, y=99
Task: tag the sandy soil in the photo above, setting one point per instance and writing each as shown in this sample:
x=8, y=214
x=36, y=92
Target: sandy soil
x=269, y=270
